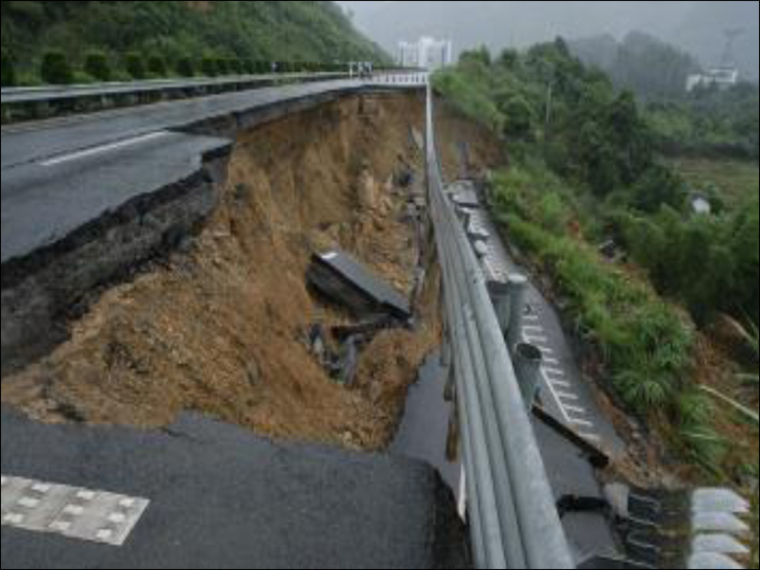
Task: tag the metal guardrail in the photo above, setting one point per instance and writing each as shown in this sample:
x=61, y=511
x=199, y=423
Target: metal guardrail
x=49, y=94
x=513, y=518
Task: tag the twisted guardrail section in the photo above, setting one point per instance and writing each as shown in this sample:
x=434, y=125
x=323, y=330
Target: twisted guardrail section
x=513, y=518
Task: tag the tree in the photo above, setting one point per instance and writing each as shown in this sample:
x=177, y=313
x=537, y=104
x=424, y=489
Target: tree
x=55, y=69
x=186, y=67
x=208, y=67
x=157, y=66
x=8, y=70
x=96, y=65
x=509, y=58
x=659, y=186
x=135, y=65
x=518, y=117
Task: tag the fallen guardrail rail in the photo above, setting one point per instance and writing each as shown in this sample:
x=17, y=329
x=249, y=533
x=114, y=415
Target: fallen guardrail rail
x=514, y=522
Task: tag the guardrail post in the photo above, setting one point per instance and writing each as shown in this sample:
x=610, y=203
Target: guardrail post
x=528, y=359
x=517, y=285
x=499, y=292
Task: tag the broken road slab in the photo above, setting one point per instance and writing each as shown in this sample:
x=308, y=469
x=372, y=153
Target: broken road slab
x=342, y=279
x=223, y=498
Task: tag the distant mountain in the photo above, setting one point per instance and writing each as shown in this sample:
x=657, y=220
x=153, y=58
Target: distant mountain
x=691, y=25
x=642, y=63
x=283, y=31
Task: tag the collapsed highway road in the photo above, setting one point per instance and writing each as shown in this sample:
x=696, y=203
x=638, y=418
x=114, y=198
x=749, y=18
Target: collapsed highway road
x=222, y=498
x=85, y=202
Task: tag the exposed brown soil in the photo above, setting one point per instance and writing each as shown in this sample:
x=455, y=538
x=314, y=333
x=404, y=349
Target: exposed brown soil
x=221, y=328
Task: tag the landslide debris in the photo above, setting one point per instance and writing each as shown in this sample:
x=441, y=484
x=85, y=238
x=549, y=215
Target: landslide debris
x=223, y=326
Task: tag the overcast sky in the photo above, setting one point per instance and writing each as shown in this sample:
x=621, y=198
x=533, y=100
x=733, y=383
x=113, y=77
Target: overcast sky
x=695, y=26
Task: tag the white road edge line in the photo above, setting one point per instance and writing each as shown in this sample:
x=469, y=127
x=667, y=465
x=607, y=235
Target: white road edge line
x=103, y=149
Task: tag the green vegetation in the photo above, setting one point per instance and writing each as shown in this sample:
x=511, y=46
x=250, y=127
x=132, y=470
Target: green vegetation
x=584, y=170
x=97, y=66
x=8, y=70
x=177, y=31
x=157, y=66
x=55, y=68
x=134, y=65
x=547, y=103
x=708, y=262
x=646, y=345
x=731, y=182
x=708, y=122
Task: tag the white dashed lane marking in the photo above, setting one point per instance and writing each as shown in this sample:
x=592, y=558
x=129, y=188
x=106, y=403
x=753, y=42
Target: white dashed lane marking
x=555, y=378
x=83, y=514
x=536, y=339
x=567, y=396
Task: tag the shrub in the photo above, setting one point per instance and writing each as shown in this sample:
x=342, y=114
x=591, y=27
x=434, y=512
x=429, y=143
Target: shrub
x=186, y=67
x=518, y=117
x=55, y=69
x=97, y=66
x=135, y=66
x=157, y=66
x=208, y=67
x=222, y=66
x=8, y=71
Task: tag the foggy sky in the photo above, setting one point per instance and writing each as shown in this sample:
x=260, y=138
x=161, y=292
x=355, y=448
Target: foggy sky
x=697, y=27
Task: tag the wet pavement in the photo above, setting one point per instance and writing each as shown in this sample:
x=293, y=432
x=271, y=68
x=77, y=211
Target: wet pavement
x=424, y=430
x=564, y=392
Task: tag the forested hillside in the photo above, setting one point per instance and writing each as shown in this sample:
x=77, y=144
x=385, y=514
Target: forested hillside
x=586, y=177
x=174, y=36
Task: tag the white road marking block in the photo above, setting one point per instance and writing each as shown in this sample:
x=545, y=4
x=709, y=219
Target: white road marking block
x=533, y=328
x=567, y=396
x=590, y=436
x=581, y=422
x=554, y=371
x=83, y=514
x=536, y=339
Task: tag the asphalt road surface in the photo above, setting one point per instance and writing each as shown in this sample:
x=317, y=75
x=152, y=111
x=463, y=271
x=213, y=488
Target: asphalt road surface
x=223, y=498
x=58, y=175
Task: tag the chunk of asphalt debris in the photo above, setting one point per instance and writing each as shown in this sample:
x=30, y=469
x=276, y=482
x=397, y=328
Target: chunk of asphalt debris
x=368, y=328
x=341, y=279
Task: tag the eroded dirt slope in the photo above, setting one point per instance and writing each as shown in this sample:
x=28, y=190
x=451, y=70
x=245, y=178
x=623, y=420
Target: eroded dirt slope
x=221, y=327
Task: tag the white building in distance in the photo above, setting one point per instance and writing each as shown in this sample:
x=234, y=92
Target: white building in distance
x=426, y=53
x=722, y=77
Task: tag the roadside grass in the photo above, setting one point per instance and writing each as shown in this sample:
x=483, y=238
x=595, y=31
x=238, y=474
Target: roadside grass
x=734, y=180
x=646, y=345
